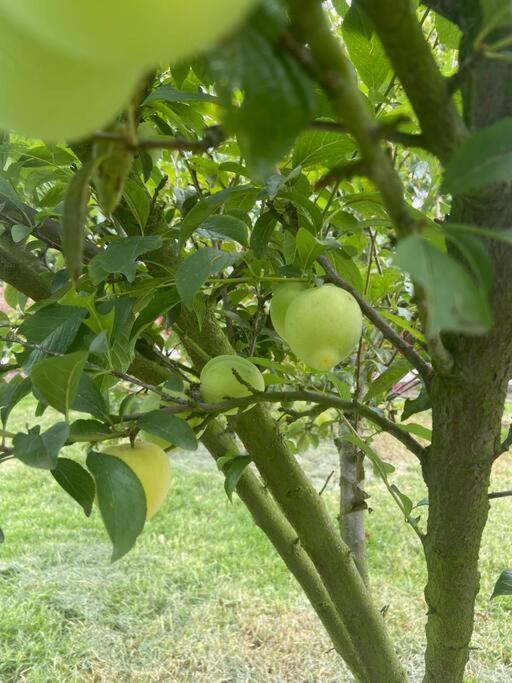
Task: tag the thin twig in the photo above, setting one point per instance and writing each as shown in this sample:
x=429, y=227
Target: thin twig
x=326, y=483
x=499, y=494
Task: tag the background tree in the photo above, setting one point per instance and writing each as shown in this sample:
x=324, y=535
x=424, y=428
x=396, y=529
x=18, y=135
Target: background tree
x=357, y=146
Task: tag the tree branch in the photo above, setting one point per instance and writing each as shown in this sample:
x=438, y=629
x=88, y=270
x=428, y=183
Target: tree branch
x=401, y=35
x=213, y=137
x=499, y=494
x=389, y=133
x=416, y=361
x=283, y=537
x=318, y=398
x=331, y=68
x=48, y=231
x=22, y=270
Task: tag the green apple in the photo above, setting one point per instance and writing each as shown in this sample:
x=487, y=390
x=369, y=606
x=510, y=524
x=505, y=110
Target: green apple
x=323, y=326
x=47, y=94
x=281, y=299
x=151, y=465
x=218, y=381
x=125, y=33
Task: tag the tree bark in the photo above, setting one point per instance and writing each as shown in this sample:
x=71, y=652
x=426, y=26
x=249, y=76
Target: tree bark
x=352, y=504
x=466, y=430
x=467, y=407
x=281, y=534
x=21, y=270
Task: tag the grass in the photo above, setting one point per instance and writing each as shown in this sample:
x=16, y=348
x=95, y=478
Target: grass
x=203, y=598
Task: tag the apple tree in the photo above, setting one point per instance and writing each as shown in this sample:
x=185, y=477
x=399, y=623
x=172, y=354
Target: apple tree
x=245, y=229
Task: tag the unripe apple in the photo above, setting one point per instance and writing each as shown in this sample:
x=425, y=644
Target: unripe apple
x=152, y=466
x=323, y=326
x=47, y=94
x=281, y=299
x=218, y=382
x=127, y=33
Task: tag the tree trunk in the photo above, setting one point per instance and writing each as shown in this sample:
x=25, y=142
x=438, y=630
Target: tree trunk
x=466, y=420
x=352, y=504
x=467, y=408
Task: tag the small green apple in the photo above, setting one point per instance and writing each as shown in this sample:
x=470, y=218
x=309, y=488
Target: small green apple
x=218, y=381
x=281, y=299
x=47, y=94
x=151, y=465
x=323, y=325
x=127, y=33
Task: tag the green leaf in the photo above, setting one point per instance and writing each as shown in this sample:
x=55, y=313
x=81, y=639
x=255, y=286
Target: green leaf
x=454, y=300
x=77, y=482
x=193, y=272
x=169, y=427
x=45, y=322
x=19, y=232
x=54, y=328
x=162, y=301
x=364, y=48
x=41, y=450
x=262, y=233
x=121, y=500
x=74, y=217
x=416, y=405
x=503, y=584
x=89, y=399
x=504, y=236
x=417, y=430
x=406, y=503
x=309, y=248
x=225, y=227
x=404, y=324
x=138, y=202
x=496, y=14
x=57, y=379
x=381, y=468
x=16, y=390
x=449, y=34
x=306, y=206
x=342, y=387
x=121, y=257
x=8, y=192
x=475, y=255
x=167, y=93
x=484, y=158
x=203, y=209
x=89, y=431
x=278, y=98
x=322, y=149
x=233, y=470
x=347, y=268
x=341, y=6
x=384, y=382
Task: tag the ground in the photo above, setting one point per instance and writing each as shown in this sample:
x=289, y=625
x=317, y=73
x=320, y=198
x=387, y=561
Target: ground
x=203, y=598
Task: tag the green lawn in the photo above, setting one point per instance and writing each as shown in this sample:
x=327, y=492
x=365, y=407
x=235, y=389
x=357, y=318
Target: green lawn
x=203, y=597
